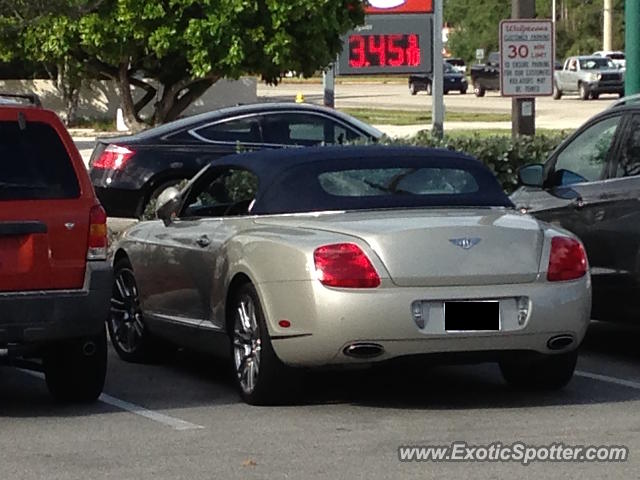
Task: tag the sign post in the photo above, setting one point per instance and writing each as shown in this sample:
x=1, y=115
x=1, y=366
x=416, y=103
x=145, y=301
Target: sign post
x=523, y=105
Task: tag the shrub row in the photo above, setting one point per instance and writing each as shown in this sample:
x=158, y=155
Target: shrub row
x=501, y=153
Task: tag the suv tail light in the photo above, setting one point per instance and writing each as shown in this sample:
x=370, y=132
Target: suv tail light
x=567, y=261
x=98, y=242
x=114, y=157
x=345, y=265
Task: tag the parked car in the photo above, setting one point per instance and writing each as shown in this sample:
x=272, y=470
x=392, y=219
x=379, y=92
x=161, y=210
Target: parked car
x=486, y=77
x=589, y=76
x=453, y=80
x=590, y=186
x=457, y=64
x=346, y=256
x=617, y=57
x=129, y=172
x=55, y=281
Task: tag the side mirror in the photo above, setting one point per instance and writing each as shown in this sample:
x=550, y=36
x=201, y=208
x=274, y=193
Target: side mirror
x=531, y=175
x=167, y=204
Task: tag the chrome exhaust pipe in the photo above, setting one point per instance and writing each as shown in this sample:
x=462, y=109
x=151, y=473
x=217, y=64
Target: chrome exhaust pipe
x=560, y=342
x=89, y=348
x=363, y=350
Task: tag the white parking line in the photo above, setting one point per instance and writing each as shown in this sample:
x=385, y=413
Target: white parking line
x=608, y=379
x=175, y=423
x=172, y=422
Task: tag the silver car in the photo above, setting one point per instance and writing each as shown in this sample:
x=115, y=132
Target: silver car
x=352, y=255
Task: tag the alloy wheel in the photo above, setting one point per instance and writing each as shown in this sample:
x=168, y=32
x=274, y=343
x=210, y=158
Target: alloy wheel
x=127, y=327
x=246, y=344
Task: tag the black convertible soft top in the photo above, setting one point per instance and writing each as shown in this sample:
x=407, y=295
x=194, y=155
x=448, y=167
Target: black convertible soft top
x=300, y=180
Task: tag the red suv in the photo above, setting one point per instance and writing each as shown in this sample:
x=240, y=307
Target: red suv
x=55, y=281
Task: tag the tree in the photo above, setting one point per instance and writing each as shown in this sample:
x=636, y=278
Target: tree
x=185, y=46
x=579, y=25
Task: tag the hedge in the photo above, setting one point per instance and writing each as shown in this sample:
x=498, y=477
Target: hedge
x=501, y=153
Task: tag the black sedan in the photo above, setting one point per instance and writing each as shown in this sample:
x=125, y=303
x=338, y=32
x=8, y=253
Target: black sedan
x=129, y=172
x=453, y=81
x=590, y=186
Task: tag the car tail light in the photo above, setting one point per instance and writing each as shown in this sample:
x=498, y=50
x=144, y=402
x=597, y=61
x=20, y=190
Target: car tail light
x=567, y=261
x=98, y=242
x=114, y=157
x=345, y=265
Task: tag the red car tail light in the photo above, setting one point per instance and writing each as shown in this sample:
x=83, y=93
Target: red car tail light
x=114, y=157
x=98, y=242
x=345, y=265
x=567, y=261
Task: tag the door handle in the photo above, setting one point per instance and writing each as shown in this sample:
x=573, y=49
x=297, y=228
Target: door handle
x=203, y=241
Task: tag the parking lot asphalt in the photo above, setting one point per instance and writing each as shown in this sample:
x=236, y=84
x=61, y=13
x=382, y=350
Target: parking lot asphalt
x=182, y=419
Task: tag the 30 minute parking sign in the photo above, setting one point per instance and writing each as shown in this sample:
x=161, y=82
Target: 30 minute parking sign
x=527, y=58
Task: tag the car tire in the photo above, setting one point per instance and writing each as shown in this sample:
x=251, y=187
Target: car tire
x=429, y=88
x=595, y=96
x=129, y=335
x=147, y=209
x=557, y=93
x=413, y=90
x=463, y=91
x=551, y=372
x=479, y=91
x=583, y=90
x=75, y=370
x=260, y=376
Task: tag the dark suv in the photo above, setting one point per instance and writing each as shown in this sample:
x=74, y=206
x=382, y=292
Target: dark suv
x=591, y=186
x=55, y=281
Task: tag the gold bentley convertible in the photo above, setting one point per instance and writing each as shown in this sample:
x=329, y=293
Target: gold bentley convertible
x=352, y=255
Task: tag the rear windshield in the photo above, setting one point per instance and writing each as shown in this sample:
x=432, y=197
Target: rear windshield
x=34, y=164
x=383, y=183
x=616, y=56
x=458, y=62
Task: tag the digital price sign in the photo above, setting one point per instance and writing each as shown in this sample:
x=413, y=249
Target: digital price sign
x=388, y=43
x=394, y=50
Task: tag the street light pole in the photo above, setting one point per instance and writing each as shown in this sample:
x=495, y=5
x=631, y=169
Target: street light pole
x=437, y=128
x=607, y=25
x=632, y=47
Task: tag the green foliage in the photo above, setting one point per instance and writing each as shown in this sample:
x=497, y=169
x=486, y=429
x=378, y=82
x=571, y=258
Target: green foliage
x=501, y=153
x=579, y=25
x=186, y=45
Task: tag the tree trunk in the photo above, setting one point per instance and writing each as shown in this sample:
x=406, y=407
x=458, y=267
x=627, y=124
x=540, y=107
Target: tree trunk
x=68, y=83
x=131, y=117
x=177, y=97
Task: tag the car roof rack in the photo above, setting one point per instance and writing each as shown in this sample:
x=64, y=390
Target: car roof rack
x=31, y=97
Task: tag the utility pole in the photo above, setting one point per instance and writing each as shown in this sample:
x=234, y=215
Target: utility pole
x=632, y=47
x=607, y=27
x=523, y=110
x=437, y=128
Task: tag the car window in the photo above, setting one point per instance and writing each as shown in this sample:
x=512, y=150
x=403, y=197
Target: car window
x=599, y=63
x=398, y=181
x=304, y=130
x=585, y=158
x=227, y=193
x=245, y=130
x=35, y=164
x=572, y=65
x=629, y=163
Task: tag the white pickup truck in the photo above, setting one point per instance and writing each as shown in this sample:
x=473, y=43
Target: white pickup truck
x=589, y=76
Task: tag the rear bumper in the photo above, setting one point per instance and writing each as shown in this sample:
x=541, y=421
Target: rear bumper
x=30, y=319
x=325, y=321
x=119, y=202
